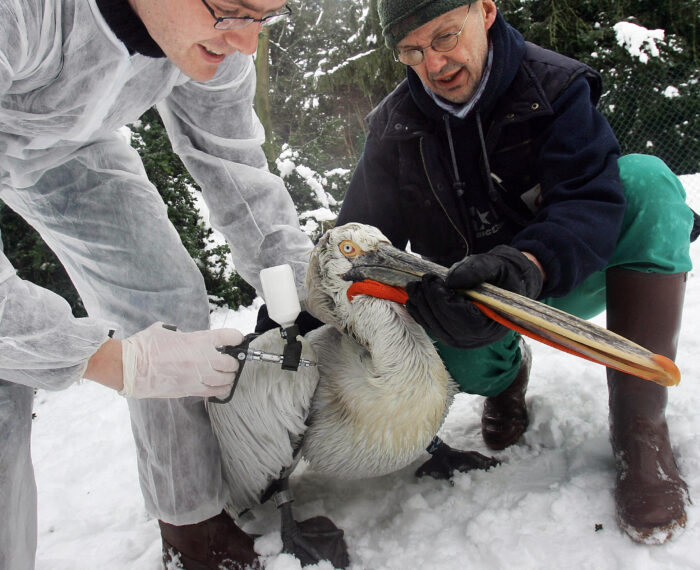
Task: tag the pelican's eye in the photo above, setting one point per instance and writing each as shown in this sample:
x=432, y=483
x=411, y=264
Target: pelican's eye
x=349, y=248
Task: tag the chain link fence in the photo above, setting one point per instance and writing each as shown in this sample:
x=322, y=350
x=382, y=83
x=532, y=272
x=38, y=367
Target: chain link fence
x=658, y=113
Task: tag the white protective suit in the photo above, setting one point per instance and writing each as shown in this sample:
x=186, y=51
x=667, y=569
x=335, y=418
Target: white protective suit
x=66, y=85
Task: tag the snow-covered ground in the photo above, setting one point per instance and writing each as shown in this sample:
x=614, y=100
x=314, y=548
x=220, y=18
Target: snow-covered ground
x=548, y=505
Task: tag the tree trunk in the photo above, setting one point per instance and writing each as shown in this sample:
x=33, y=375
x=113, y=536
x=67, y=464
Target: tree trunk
x=262, y=89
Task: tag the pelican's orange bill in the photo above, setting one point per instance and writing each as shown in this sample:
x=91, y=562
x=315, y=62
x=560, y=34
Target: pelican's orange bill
x=379, y=290
x=663, y=370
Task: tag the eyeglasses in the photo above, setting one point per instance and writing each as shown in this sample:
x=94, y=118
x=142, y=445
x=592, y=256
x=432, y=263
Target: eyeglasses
x=233, y=22
x=442, y=43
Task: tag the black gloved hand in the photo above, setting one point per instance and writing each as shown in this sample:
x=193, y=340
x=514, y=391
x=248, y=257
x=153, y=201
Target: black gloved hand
x=503, y=266
x=305, y=321
x=450, y=317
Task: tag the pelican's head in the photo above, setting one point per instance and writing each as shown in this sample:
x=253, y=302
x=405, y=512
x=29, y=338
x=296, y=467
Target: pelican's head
x=354, y=253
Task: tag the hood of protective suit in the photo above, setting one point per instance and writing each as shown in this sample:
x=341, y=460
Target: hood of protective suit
x=129, y=28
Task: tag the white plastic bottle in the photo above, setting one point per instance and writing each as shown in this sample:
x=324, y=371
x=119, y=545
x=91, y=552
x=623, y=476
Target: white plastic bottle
x=280, y=294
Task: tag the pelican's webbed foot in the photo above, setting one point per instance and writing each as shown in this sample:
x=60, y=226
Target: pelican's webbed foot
x=312, y=540
x=445, y=461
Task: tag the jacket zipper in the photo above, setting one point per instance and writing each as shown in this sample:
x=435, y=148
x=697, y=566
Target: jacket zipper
x=430, y=183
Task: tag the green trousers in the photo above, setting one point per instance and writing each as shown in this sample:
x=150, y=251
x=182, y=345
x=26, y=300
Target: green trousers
x=655, y=238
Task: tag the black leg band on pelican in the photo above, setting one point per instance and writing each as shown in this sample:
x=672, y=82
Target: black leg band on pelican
x=312, y=540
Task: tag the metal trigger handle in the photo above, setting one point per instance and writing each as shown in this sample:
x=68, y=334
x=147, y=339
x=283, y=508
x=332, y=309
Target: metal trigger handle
x=240, y=353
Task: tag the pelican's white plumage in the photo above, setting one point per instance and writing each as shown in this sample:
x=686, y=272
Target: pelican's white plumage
x=373, y=404
x=383, y=391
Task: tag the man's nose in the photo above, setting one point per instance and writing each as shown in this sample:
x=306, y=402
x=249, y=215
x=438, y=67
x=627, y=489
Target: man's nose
x=244, y=40
x=434, y=60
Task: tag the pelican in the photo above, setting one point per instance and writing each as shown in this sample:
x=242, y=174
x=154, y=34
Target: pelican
x=371, y=406
x=380, y=392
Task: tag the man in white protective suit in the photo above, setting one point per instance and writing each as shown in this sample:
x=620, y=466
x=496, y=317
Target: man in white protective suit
x=72, y=72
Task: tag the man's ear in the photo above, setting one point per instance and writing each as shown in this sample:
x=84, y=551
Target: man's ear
x=490, y=11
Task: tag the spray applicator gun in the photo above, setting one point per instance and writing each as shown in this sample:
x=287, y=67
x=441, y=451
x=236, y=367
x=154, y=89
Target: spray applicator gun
x=280, y=294
x=283, y=307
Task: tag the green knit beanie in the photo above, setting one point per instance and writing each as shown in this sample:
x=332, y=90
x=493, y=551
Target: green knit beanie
x=399, y=18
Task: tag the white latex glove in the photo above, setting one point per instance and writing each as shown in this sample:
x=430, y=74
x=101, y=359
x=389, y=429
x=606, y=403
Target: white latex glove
x=162, y=363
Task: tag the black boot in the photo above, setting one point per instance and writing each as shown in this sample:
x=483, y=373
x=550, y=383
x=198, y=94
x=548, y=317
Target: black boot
x=214, y=544
x=504, y=419
x=650, y=495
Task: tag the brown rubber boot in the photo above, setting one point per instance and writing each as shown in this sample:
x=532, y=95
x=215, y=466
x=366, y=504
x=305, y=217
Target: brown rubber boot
x=504, y=418
x=216, y=543
x=650, y=495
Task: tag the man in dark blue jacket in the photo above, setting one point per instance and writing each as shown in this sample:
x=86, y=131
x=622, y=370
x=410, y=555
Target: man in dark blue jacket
x=491, y=158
